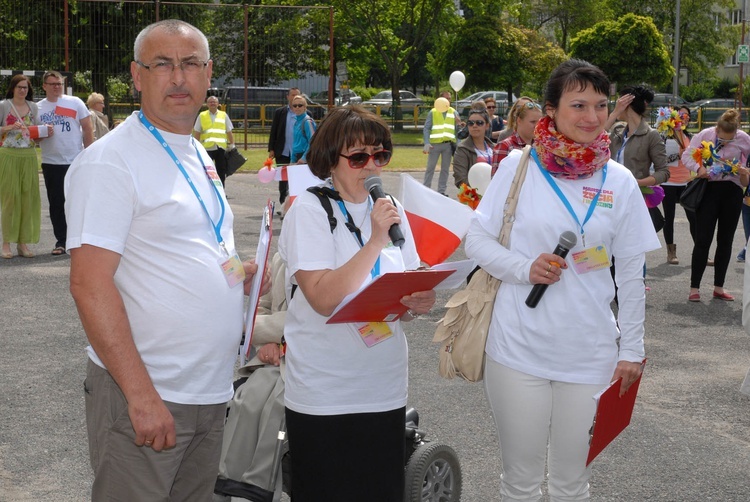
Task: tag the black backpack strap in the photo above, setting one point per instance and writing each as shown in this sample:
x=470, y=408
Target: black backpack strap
x=325, y=194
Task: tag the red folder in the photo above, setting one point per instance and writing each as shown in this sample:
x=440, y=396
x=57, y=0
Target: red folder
x=381, y=299
x=613, y=414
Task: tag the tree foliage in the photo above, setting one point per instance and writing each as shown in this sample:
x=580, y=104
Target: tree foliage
x=706, y=37
x=629, y=50
x=395, y=29
x=564, y=18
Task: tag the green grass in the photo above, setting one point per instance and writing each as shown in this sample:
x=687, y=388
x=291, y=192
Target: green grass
x=404, y=159
x=407, y=151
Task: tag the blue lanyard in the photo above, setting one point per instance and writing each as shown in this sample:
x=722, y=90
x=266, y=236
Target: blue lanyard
x=622, y=147
x=358, y=236
x=216, y=226
x=564, y=199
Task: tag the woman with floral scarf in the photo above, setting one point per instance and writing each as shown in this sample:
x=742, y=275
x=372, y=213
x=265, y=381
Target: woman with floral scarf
x=545, y=364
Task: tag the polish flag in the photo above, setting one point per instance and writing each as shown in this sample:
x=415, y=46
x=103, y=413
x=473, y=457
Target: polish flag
x=437, y=222
x=65, y=112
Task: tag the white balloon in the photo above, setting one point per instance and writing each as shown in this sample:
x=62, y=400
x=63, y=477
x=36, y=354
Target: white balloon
x=480, y=175
x=457, y=80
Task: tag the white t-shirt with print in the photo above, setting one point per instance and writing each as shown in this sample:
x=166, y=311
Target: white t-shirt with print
x=572, y=333
x=67, y=141
x=125, y=194
x=330, y=370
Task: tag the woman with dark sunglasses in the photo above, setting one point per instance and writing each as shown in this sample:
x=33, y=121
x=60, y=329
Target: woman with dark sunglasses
x=304, y=128
x=477, y=147
x=346, y=381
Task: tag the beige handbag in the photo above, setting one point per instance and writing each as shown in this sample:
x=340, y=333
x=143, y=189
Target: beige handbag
x=462, y=332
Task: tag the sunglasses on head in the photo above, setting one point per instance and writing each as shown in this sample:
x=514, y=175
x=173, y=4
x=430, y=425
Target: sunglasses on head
x=480, y=123
x=360, y=160
x=298, y=105
x=530, y=105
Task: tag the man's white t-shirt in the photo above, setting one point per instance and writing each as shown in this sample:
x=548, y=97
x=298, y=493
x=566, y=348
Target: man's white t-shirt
x=330, y=370
x=125, y=194
x=572, y=334
x=65, y=114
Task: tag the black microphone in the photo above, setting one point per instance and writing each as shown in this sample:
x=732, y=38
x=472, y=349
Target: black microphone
x=374, y=185
x=567, y=240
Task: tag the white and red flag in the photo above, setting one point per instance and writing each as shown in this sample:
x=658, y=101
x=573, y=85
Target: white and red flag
x=437, y=222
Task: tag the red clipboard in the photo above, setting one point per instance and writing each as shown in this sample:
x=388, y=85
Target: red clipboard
x=613, y=415
x=381, y=299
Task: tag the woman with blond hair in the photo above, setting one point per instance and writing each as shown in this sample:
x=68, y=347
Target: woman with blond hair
x=512, y=117
x=95, y=103
x=722, y=201
x=525, y=118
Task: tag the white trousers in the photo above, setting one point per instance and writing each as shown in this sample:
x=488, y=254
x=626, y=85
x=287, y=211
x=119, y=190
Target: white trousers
x=540, y=420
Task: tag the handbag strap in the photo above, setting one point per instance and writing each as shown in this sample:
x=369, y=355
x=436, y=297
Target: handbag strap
x=509, y=210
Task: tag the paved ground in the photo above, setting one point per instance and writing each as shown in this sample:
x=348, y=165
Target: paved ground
x=689, y=440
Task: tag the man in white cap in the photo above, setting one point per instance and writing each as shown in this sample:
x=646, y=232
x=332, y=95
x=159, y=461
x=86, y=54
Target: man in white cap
x=439, y=137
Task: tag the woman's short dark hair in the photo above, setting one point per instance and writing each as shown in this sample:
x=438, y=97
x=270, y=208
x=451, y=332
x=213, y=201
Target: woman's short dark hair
x=570, y=74
x=17, y=79
x=340, y=129
x=643, y=96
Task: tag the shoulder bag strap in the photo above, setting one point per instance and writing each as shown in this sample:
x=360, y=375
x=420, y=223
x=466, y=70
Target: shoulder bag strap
x=509, y=212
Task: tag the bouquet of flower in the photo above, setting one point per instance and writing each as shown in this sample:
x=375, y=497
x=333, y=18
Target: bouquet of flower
x=706, y=156
x=668, y=121
x=652, y=195
x=468, y=196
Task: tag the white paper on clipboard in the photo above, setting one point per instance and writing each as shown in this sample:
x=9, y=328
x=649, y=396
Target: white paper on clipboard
x=261, y=259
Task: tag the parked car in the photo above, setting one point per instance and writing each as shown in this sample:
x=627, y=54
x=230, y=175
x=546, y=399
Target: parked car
x=385, y=100
x=315, y=110
x=662, y=99
x=711, y=110
x=501, y=98
x=340, y=98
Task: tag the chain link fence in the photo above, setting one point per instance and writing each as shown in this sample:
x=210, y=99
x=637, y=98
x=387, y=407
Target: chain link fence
x=253, y=47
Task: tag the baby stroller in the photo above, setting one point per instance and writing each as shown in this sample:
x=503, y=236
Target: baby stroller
x=255, y=461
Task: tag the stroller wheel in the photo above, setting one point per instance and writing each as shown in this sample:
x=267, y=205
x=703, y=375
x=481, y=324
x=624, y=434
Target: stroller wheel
x=433, y=474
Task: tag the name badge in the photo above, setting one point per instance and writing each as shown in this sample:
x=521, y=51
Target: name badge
x=213, y=176
x=373, y=333
x=233, y=270
x=591, y=259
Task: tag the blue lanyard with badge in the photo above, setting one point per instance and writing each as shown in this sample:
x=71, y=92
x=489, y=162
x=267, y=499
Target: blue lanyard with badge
x=372, y=333
x=230, y=263
x=590, y=258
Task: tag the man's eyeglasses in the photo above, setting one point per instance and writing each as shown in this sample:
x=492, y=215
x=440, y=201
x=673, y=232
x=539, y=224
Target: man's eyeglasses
x=163, y=68
x=298, y=105
x=480, y=123
x=54, y=84
x=360, y=160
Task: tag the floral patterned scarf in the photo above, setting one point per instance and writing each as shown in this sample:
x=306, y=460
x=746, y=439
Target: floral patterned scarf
x=564, y=158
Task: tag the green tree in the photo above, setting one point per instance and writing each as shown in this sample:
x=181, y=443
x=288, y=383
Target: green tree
x=395, y=29
x=706, y=37
x=629, y=50
x=564, y=18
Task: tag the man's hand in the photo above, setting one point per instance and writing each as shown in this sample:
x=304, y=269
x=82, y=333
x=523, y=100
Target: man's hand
x=251, y=268
x=153, y=423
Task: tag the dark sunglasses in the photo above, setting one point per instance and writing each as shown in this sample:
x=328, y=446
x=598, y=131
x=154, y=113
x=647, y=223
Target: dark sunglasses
x=491, y=107
x=360, y=160
x=480, y=123
x=298, y=106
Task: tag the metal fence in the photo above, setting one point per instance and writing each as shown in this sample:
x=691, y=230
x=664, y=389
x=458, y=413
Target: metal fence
x=91, y=41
